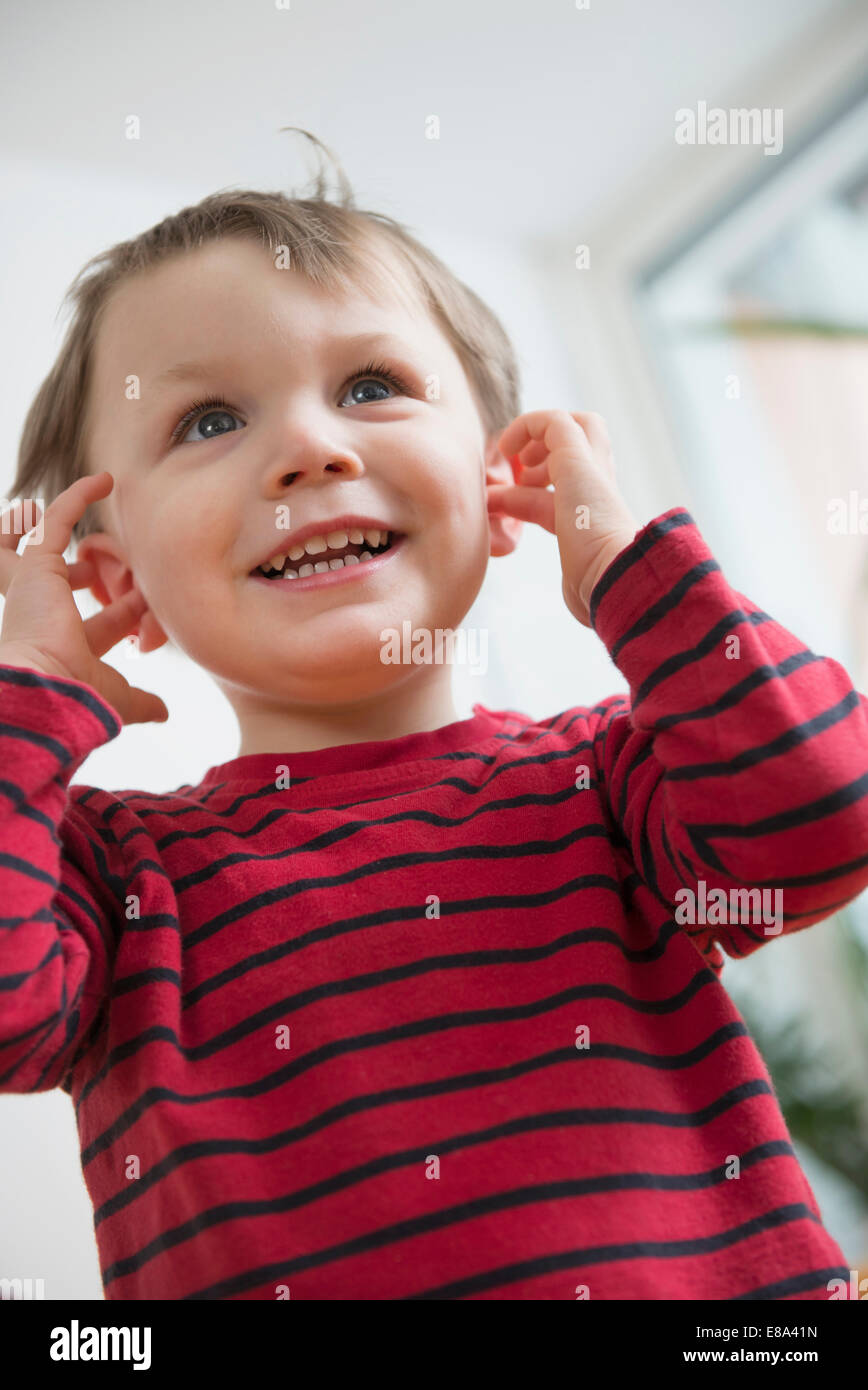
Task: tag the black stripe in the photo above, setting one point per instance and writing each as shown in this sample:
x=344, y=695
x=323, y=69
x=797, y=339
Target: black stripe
x=645, y=752
x=596, y=1115
x=326, y=838
x=759, y=676
x=281, y=892
x=459, y=783
x=797, y=1283
x=700, y=835
x=66, y=890
x=17, y=978
x=44, y=1029
x=18, y=798
x=23, y=866
x=362, y=921
x=689, y=655
x=83, y=697
x=637, y=1250
x=453, y=960
x=413, y=1226
x=665, y=605
x=63, y=1016
x=44, y=914
x=527, y=1269
x=671, y=857
x=639, y=546
x=129, y=983
x=354, y=984
x=806, y=811
x=751, y=757
x=418, y=1028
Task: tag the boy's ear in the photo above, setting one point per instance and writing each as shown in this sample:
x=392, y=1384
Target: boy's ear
x=113, y=579
x=500, y=471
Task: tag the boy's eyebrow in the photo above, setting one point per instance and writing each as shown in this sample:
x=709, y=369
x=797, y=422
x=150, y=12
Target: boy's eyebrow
x=191, y=371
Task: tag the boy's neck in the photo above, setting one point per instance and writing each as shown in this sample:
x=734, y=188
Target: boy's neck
x=420, y=703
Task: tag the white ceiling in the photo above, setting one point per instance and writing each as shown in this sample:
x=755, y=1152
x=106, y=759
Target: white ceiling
x=546, y=111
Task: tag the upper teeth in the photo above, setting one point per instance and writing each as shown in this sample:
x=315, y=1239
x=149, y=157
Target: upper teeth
x=333, y=540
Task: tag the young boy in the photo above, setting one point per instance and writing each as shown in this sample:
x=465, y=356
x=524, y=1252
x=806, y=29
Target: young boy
x=393, y=1005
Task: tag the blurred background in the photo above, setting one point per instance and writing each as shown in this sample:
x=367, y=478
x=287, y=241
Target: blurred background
x=709, y=299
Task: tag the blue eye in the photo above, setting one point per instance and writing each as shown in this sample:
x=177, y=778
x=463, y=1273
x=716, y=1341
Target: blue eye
x=368, y=382
x=377, y=373
x=214, y=406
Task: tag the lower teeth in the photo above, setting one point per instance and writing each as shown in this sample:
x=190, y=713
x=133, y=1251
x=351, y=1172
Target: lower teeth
x=322, y=566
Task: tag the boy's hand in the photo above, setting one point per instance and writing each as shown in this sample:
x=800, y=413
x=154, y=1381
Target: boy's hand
x=586, y=511
x=42, y=627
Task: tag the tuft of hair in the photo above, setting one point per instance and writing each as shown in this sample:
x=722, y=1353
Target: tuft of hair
x=329, y=240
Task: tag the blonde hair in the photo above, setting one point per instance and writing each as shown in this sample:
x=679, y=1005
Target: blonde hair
x=331, y=242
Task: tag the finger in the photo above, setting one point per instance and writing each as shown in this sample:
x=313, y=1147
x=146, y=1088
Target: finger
x=541, y=476
x=69, y=508
x=532, y=454
x=554, y=428
x=141, y=707
x=134, y=705
x=81, y=574
x=537, y=476
x=598, y=452
x=595, y=428
x=108, y=627
x=526, y=504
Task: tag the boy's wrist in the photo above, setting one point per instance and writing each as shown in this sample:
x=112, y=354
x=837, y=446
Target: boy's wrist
x=616, y=546
x=12, y=654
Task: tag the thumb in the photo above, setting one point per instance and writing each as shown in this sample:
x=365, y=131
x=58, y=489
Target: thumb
x=143, y=707
x=132, y=704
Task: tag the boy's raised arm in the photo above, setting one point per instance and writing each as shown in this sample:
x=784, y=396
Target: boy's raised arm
x=58, y=891
x=741, y=761
x=58, y=899
x=737, y=774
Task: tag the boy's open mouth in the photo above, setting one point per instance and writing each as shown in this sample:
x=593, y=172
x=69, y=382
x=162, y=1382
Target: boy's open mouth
x=323, y=554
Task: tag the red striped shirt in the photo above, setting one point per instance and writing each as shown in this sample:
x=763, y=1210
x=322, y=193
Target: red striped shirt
x=423, y=1023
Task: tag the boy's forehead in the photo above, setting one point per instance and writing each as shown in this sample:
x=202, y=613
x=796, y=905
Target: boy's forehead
x=232, y=288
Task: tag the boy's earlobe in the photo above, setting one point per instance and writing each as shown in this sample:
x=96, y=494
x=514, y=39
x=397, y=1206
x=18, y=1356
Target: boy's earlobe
x=112, y=579
x=150, y=634
x=500, y=471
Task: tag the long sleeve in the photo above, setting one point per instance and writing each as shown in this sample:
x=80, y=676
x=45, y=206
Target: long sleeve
x=56, y=929
x=740, y=761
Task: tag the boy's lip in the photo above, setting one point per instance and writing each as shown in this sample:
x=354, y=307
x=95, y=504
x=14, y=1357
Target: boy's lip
x=349, y=521
x=331, y=577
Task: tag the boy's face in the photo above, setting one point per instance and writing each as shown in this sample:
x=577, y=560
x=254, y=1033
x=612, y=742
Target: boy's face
x=191, y=519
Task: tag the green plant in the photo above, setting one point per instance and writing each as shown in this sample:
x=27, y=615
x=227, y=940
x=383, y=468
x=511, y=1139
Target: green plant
x=821, y=1112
